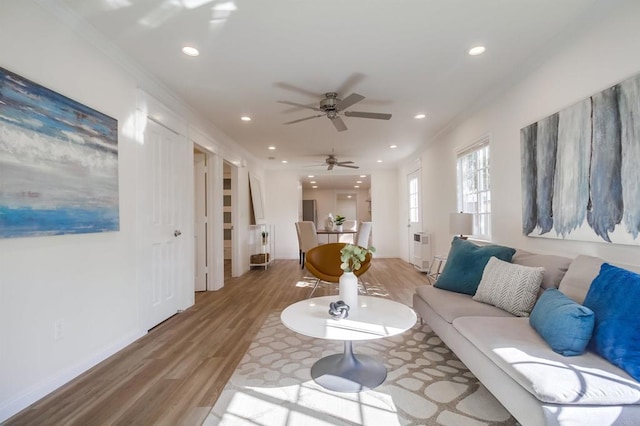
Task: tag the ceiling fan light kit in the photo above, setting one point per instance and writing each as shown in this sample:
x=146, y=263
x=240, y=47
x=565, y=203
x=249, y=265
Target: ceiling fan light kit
x=332, y=161
x=332, y=107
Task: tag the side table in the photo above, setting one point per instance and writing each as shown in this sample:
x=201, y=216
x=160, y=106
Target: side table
x=435, y=268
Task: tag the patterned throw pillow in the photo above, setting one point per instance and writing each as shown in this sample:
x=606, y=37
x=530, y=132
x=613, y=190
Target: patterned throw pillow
x=510, y=287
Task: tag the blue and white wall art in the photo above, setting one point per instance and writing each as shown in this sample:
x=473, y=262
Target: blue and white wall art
x=58, y=163
x=581, y=169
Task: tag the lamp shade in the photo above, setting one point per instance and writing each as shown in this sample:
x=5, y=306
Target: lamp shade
x=461, y=223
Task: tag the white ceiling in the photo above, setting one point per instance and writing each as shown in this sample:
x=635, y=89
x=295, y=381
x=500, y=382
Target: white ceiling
x=405, y=56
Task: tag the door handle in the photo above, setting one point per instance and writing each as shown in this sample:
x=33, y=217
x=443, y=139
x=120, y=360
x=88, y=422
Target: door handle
x=177, y=233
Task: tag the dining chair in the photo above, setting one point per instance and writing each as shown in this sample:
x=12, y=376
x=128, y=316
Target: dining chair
x=323, y=262
x=299, y=244
x=308, y=238
x=363, y=234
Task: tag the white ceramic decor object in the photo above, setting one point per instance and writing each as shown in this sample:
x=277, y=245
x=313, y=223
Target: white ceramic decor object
x=348, y=288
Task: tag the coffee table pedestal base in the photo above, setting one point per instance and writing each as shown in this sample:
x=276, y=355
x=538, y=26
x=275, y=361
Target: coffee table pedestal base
x=348, y=373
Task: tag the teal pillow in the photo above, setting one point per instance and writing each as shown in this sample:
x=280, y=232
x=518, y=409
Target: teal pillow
x=614, y=297
x=466, y=261
x=565, y=325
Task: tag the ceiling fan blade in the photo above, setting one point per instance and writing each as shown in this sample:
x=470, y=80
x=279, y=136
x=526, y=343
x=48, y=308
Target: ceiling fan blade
x=300, y=105
x=340, y=163
x=376, y=115
x=339, y=124
x=330, y=167
x=303, y=119
x=349, y=100
x=350, y=82
x=293, y=88
x=346, y=165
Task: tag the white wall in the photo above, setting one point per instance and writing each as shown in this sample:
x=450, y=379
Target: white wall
x=284, y=195
x=347, y=208
x=598, y=56
x=385, y=213
x=88, y=281
x=326, y=202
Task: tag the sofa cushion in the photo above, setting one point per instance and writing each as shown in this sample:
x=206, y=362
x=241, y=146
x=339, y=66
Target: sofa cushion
x=579, y=276
x=565, y=325
x=450, y=305
x=554, y=266
x=552, y=378
x=513, y=288
x=466, y=261
x=614, y=297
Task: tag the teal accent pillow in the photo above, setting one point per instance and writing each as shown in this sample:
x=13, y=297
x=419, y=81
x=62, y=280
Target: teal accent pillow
x=564, y=324
x=614, y=297
x=466, y=261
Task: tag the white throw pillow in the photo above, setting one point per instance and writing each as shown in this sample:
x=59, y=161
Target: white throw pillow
x=510, y=287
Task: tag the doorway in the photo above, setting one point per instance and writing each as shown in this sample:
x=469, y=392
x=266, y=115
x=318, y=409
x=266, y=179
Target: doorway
x=347, y=206
x=201, y=220
x=164, y=161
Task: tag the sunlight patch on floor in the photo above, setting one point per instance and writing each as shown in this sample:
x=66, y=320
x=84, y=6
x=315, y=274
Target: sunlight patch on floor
x=305, y=404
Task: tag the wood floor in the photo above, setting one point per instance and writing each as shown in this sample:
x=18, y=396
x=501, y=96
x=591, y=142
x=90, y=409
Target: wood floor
x=174, y=374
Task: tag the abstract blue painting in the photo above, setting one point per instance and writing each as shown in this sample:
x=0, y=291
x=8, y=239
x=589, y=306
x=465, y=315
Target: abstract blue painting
x=581, y=169
x=58, y=163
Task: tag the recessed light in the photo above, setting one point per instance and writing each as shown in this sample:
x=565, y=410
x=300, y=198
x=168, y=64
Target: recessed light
x=310, y=176
x=478, y=50
x=363, y=175
x=314, y=186
x=356, y=186
x=419, y=116
x=348, y=196
x=190, y=51
x=284, y=161
x=379, y=161
x=246, y=118
x=313, y=181
x=393, y=146
x=272, y=148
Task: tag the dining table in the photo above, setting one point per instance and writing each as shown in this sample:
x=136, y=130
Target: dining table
x=335, y=232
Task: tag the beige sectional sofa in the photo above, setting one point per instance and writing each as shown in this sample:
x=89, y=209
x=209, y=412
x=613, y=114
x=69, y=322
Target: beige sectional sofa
x=537, y=385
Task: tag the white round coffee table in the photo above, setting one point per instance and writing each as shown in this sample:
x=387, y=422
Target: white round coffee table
x=375, y=318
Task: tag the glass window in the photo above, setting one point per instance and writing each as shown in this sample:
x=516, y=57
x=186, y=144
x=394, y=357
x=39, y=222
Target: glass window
x=474, y=190
x=414, y=212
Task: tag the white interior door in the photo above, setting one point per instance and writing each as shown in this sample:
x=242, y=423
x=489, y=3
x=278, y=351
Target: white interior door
x=414, y=220
x=201, y=222
x=164, y=166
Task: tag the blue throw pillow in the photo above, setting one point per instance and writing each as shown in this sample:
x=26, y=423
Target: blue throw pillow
x=466, y=261
x=565, y=325
x=614, y=297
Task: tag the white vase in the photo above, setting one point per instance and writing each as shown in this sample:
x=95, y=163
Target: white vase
x=339, y=228
x=328, y=223
x=348, y=288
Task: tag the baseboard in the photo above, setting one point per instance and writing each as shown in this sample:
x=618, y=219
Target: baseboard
x=32, y=394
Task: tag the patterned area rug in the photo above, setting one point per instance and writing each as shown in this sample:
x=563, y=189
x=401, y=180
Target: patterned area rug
x=426, y=385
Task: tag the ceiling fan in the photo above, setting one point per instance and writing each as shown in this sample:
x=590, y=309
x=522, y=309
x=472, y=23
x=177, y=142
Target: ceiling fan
x=331, y=161
x=332, y=107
